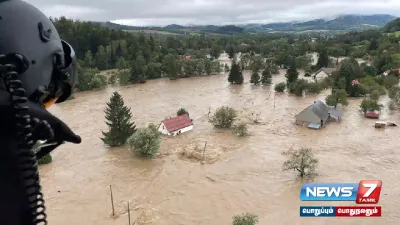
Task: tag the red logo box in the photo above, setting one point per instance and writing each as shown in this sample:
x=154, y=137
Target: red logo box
x=369, y=192
x=358, y=211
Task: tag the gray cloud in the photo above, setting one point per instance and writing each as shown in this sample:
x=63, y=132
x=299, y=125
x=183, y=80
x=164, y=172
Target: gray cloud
x=163, y=12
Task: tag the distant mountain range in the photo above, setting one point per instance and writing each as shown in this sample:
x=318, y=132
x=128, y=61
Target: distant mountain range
x=340, y=23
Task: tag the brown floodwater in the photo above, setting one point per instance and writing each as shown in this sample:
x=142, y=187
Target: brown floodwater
x=247, y=177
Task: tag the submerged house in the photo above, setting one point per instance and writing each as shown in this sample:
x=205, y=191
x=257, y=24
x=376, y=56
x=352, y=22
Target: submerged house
x=316, y=115
x=176, y=125
x=323, y=73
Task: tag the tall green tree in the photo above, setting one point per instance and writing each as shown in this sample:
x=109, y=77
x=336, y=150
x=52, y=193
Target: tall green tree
x=349, y=72
x=122, y=64
x=235, y=75
x=292, y=74
x=88, y=61
x=337, y=97
x=139, y=70
x=323, y=60
x=118, y=118
x=152, y=43
x=102, y=58
x=266, y=77
x=255, y=78
x=231, y=52
x=172, y=66
x=215, y=51
x=373, y=45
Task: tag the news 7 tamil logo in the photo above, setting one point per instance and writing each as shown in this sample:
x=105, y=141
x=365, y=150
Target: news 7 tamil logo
x=365, y=192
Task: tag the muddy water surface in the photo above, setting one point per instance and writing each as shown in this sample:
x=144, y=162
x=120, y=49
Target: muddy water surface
x=247, y=177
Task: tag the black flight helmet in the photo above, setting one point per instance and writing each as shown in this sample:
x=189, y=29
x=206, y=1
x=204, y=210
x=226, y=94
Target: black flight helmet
x=51, y=62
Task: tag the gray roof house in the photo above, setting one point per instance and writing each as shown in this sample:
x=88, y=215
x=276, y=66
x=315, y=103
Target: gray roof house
x=323, y=72
x=316, y=115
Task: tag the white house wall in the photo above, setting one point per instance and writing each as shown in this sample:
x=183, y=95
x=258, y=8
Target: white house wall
x=162, y=129
x=183, y=130
x=321, y=75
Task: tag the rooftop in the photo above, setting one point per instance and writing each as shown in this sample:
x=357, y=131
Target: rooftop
x=177, y=123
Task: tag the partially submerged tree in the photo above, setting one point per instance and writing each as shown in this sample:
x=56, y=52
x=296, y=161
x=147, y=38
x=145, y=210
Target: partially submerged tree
x=323, y=59
x=303, y=161
x=394, y=95
x=231, y=52
x=337, y=97
x=292, y=74
x=224, y=117
x=235, y=75
x=245, y=219
x=181, y=111
x=266, y=77
x=280, y=87
x=255, y=78
x=226, y=68
x=298, y=87
x=240, y=130
x=118, y=118
x=145, y=141
x=370, y=105
x=375, y=95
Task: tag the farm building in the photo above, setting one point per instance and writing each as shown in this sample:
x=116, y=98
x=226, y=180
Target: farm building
x=316, y=115
x=322, y=73
x=176, y=125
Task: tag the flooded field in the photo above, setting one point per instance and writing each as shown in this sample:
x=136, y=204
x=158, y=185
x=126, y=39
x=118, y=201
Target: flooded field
x=246, y=178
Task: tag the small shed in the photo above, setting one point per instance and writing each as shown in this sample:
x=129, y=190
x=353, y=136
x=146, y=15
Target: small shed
x=176, y=125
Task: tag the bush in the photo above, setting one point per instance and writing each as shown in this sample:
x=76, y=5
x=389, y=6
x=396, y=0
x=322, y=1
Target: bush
x=245, y=219
x=181, y=111
x=390, y=81
x=46, y=159
x=280, y=87
x=224, y=117
x=241, y=130
x=112, y=79
x=326, y=83
x=375, y=95
x=370, y=105
x=298, y=87
x=145, y=142
x=89, y=79
x=124, y=77
x=302, y=161
x=313, y=88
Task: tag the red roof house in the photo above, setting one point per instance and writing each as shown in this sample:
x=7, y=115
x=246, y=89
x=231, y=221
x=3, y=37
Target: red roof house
x=355, y=82
x=176, y=125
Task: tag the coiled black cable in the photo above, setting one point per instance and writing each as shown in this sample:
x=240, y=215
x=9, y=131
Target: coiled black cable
x=26, y=126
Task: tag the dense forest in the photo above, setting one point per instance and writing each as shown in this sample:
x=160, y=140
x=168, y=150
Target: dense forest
x=139, y=57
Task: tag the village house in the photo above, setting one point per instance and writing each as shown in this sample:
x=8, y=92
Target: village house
x=388, y=71
x=316, y=115
x=323, y=73
x=176, y=125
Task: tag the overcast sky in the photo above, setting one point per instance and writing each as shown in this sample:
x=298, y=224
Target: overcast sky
x=217, y=12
